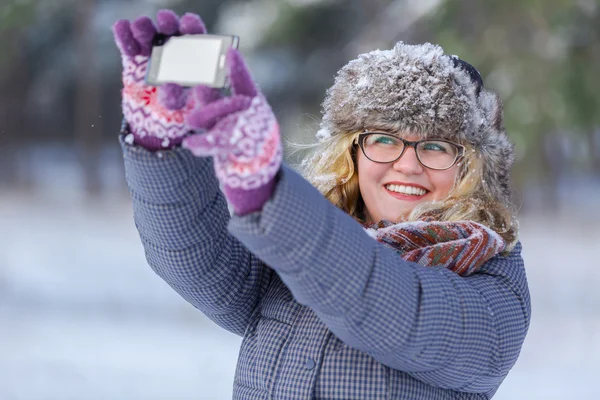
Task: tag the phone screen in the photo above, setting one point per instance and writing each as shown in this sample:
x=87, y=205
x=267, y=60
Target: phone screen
x=191, y=60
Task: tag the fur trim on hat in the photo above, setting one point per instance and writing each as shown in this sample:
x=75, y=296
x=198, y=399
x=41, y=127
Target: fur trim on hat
x=419, y=89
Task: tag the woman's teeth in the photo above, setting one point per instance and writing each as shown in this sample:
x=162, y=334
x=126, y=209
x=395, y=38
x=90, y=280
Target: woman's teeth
x=410, y=190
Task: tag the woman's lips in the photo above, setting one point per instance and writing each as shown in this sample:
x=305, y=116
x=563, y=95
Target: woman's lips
x=402, y=196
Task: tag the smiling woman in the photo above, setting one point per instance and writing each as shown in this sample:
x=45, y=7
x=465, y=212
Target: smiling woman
x=433, y=179
x=433, y=308
x=422, y=139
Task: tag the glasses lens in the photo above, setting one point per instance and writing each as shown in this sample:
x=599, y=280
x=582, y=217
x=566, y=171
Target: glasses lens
x=382, y=148
x=437, y=155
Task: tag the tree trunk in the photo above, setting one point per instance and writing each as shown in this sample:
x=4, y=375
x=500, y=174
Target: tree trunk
x=14, y=127
x=594, y=143
x=88, y=131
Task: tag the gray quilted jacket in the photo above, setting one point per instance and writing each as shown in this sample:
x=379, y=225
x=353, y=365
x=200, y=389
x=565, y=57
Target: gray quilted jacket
x=325, y=311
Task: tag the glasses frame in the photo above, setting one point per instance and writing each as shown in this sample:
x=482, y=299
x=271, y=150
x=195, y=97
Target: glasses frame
x=407, y=144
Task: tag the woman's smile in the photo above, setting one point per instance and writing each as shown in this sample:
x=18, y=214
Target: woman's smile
x=405, y=191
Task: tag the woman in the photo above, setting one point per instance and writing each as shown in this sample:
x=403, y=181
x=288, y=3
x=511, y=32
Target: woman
x=436, y=308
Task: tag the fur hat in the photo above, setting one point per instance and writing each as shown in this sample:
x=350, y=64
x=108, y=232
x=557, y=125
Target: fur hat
x=418, y=88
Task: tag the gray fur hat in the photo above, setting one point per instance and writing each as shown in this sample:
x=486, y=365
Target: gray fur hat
x=418, y=88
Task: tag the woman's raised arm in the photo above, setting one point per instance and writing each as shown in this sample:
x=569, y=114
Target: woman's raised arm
x=182, y=217
x=179, y=211
x=463, y=333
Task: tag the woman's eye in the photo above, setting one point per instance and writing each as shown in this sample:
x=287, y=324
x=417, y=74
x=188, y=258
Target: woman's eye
x=384, y=140
x=434, y=147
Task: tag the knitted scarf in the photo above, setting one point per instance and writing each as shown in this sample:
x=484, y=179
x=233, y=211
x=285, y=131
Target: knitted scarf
x=462, y=247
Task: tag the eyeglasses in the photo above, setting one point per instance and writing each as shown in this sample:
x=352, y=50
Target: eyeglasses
x=383, y=147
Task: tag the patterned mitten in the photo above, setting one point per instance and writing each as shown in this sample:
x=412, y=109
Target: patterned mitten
x=156, y=115
x=241, y=133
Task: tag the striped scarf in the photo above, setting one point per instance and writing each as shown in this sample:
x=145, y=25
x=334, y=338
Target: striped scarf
x=462, y=247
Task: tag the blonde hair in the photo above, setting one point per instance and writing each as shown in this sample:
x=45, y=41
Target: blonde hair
x=331, y=167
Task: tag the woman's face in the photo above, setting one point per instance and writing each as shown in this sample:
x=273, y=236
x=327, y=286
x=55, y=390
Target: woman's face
x=390, y=191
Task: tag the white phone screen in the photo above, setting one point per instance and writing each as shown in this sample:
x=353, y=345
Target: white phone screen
x=191, y=60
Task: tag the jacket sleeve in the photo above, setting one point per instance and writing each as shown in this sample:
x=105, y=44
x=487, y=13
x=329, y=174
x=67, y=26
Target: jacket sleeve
x=181, y=216
x=449, y=331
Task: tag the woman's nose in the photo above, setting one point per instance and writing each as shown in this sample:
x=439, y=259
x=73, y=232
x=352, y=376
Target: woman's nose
x=408, y=164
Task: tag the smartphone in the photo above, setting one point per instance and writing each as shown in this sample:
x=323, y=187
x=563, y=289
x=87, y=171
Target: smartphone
x=190, y=60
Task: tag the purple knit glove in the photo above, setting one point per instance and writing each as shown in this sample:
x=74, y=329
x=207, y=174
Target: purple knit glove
x=156, y=115
x=242, y=136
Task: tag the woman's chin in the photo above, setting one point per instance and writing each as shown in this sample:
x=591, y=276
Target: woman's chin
x=394, y=212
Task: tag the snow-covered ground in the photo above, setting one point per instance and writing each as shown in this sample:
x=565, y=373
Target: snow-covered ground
x=83, y=317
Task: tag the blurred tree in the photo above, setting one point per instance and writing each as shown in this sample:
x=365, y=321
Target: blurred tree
x=16, y=14
x=14, y=77
x=88, y=97
x=543, y=58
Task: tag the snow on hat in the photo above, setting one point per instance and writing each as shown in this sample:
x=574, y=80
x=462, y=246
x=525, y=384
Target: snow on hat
x=419, y=89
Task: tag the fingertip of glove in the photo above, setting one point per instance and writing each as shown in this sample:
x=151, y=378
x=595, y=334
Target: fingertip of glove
x=143, y=30
x=143, y=27
x=239, y=75
x=124, y=38
x=168, y=22
x=172, y=96
x=191, y=24
x=120, y=25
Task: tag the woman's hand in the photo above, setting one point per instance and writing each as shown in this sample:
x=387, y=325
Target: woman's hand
x=156, y=115
x=239, y=131
x=242, y=135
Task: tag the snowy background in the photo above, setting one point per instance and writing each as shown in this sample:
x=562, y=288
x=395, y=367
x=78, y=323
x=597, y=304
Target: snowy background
x=82, y=316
